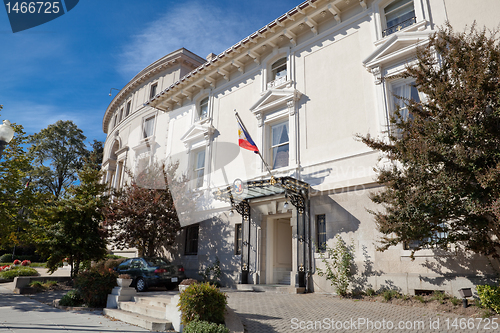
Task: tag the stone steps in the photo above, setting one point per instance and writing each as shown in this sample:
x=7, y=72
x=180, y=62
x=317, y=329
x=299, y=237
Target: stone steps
x=271, y=288
x=144, y=321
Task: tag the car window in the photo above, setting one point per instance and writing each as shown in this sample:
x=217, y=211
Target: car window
x=125, y=264
x=136, y=263
x=157, y=261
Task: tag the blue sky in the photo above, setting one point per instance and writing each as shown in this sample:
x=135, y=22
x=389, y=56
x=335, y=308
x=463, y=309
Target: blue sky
x=64, y=69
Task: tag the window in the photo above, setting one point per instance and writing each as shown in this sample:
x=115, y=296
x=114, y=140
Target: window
x=199, y=168
x=238, y=239
x=152, y=92
x=148, y=127
x=278, y=73
x=321, y=232
x=401, y=91
x=203, y=109
x=436, y=237
x=398, y=15
x=115, y=121
x=192, y=240
x=120, y=115
x=279, y=150
x=127, y=109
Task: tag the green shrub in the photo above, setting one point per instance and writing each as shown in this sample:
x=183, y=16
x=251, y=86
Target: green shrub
x=370, y=292
x=72, y=298
x=6, y=258
x=202, y=301
x=390, y=294
x=197, y=326
x=37, y=285
x=489, y=296
x=94, y=286
x=455, y=301
x=18, y=271
x=338, y=269
x=439, y=296
x=420, y=298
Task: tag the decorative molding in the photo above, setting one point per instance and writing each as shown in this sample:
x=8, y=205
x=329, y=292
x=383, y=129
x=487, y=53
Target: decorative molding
x=274, y=98
x=197, y=133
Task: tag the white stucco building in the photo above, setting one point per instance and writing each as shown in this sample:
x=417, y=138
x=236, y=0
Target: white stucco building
x=303, y=85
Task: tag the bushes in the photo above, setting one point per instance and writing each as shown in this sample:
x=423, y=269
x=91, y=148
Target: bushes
x=8, y=258
x=94, y=286
x=18, y=271
x=489, y=296
x=204, y=302
x=72, y=298
x=197, y=326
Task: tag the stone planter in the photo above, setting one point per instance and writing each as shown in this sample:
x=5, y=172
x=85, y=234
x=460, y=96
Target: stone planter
x=124, y=283
x=183, y=287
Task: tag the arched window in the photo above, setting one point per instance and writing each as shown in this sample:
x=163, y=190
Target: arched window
x=278, y=73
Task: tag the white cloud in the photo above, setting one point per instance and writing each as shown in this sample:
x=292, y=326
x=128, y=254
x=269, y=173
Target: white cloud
x=197, y=26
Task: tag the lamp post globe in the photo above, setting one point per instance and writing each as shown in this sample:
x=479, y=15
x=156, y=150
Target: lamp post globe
x=6, y=135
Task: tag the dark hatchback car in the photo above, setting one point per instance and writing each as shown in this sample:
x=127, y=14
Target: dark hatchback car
x=152, y=272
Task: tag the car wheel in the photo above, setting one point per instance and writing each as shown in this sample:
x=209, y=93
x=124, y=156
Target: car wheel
x=140, y=285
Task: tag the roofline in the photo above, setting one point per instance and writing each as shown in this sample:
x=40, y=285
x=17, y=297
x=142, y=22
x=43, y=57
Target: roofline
x=251, y=38
x=149, y=71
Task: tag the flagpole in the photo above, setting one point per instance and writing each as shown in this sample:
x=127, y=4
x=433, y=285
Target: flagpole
x=258, y=151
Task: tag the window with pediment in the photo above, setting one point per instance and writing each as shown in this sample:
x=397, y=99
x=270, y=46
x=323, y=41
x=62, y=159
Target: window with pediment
x=198, y=167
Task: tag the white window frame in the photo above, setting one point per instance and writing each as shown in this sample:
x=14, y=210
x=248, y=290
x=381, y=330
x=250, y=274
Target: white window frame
x=267, y=64
x=276, y=82
x=392, y=103
x=422, y=20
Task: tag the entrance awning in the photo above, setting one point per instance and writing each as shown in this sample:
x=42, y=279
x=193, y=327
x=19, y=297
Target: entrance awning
x=253, y=189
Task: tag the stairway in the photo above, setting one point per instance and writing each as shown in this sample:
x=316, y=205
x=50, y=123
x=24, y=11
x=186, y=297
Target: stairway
x=285, y=280
x=153, y=312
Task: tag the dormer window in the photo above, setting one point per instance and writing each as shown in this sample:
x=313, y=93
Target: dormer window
x=203, y=109
x=278, y=73
x=398, y=15
x=152, y=92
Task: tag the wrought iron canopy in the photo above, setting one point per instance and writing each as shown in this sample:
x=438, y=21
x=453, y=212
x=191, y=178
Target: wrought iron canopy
x=262, y=188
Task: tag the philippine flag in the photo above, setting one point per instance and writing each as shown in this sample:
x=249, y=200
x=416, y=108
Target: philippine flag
x=244, y=139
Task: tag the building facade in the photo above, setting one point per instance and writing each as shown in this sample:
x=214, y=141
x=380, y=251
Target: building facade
x=304, y=85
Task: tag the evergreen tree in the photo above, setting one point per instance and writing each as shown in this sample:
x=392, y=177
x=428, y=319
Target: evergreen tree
x=442, y=164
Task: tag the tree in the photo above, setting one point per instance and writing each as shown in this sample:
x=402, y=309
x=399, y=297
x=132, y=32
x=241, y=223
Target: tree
x=144, y=214
x=442, y=173
x=72, y=226
x=16, y=198
x=58, y=152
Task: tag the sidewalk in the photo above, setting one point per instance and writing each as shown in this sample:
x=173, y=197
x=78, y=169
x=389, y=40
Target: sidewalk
x=26, y=314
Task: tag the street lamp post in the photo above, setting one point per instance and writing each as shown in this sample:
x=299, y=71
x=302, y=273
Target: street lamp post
x=6, y=135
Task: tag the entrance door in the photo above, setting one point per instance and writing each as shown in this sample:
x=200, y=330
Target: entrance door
x=279, y=260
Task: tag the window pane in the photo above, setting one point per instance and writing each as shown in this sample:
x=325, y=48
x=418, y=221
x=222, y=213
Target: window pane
x=191, y=240
x=280, y=156
x=127, y=112
x=398, y=12
x=280, y=134
x=148, y=127
x=238, y=239
x=153, y=90
x=203, y=108
x=321, y=231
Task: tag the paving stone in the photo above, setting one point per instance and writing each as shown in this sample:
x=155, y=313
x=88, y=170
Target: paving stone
x=268, y=312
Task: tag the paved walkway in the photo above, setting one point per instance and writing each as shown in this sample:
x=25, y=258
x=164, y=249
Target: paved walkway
x=268, y=312
x=21, y=314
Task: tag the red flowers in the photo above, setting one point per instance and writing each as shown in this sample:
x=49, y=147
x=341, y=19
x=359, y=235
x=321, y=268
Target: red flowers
x=25, y=263
x=16, y=262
